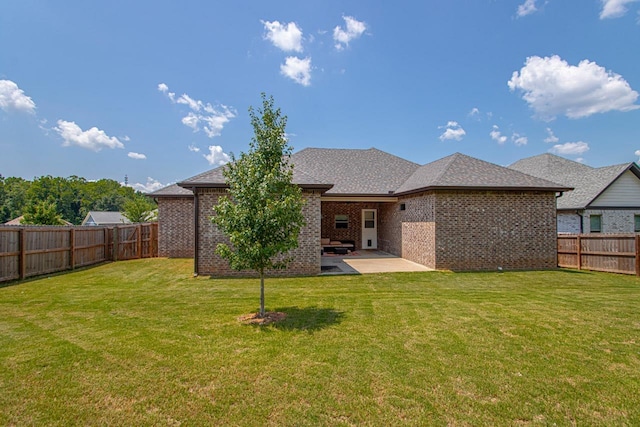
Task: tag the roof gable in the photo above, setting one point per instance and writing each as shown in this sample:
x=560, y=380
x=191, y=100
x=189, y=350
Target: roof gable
x=588, y=182
x=624, y=191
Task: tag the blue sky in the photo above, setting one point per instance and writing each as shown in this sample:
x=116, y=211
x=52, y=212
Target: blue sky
x=159, y=90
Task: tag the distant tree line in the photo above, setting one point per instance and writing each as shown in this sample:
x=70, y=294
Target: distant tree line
x=49, y=200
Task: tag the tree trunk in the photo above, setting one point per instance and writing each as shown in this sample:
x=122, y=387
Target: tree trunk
x=261, y=293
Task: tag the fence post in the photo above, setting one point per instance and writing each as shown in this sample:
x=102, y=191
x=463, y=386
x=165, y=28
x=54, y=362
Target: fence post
x=106, y=243
x=116, y=243
x=23, y=253
x=637, y=254
x=579, y=251
x=139, y=242
x=154, y=236
x=72, y=248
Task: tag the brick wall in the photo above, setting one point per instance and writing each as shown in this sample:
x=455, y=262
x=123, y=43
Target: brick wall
x=306, y=258
x=613, y=220
x=175, y=227
x=484, y=230
x=409, y=233
x=568, y=223
x=354, y=211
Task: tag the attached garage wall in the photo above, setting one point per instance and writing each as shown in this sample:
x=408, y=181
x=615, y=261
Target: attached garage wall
x=175, y=227
x=306, y=258
x=492, y=229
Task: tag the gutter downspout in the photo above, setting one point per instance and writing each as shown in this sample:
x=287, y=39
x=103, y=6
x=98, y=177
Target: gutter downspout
x=581, y=221
x=196, y=231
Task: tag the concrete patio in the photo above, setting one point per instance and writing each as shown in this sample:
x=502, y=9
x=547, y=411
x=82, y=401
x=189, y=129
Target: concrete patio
x=367, y=261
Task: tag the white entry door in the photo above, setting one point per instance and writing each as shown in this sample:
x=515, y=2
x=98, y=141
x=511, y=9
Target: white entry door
x=369, y=229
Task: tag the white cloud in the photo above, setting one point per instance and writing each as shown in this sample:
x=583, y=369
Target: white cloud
x=191, y=120
x=285, y=37
x=150, y=186
x=497, y=136
x=353, y=29
x=551, y=138
x=528, y=7
x=13, y=98
x=193, y=148
x=570, y=148
x=519, y=140
x=216, y=156
x=92, y=139
x=298, y=70
x=203, y=116
x=614, y=8
x=475, y=112
x=452, y=131
x=165, y=89
x=136, y=156
x=551, y=87
x=192, y=103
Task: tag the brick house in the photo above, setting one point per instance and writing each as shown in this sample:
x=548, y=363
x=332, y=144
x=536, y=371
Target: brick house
x=604, y=200
x=457, y=213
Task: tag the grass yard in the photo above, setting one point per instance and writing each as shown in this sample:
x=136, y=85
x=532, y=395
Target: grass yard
x=144, y=343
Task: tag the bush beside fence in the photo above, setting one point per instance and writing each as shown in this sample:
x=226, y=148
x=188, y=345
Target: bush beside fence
x=33, y=251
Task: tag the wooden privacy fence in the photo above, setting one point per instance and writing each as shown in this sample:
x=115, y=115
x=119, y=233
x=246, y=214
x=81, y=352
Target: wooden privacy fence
x=32, y=251
x=614, y=253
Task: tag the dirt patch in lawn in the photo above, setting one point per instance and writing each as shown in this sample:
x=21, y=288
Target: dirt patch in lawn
x=269, y=317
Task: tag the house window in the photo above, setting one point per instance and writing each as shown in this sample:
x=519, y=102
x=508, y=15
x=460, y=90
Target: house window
x=342, y=221
x=636, y=220
x=403, y=207
x=595, y=223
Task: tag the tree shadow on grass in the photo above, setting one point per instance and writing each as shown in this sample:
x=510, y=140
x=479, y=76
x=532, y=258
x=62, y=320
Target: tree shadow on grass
x=308, y=319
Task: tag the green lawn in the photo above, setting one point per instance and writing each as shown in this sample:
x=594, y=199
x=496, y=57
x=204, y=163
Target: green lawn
x=145, y=343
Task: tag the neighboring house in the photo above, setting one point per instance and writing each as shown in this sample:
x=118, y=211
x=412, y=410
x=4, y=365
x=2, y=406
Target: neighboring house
x=18, y=221
x=457, y=213
x=105, y=218
x=15, y=221
x=604, y=200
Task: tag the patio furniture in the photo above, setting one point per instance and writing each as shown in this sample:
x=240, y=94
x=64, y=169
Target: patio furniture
x=337, y=246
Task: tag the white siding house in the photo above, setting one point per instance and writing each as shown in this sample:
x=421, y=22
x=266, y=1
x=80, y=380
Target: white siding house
x=603, y=200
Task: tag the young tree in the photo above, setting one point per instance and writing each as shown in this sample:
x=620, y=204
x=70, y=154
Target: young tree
x=140, y=209
x=42, y=213
x=262, y=216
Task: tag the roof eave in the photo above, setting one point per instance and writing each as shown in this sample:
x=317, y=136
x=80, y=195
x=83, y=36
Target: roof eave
x=193, y=185
x=481, y=188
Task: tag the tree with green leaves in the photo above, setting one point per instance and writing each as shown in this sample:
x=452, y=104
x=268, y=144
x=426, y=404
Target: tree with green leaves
x=140, y=209
x=42, y=213
x=262, y=214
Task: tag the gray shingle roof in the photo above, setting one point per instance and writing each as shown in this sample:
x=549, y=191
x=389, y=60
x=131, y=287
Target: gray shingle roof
x=461, y=171
x=173, y=190
x=353, y=171
x=588, y=182
x=374, y=172
x=215, y=178
x=106, y=218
